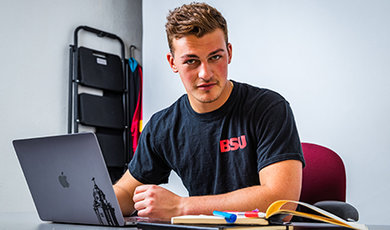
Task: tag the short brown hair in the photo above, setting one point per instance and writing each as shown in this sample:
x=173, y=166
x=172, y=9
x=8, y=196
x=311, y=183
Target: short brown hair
x=194, y=19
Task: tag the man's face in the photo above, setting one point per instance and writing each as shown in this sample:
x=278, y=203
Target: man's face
x=202, y=64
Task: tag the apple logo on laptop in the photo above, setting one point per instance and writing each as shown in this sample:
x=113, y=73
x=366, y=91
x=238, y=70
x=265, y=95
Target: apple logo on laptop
x=63, y=181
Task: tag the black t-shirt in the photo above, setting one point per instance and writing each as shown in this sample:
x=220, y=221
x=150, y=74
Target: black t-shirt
x=219, y=151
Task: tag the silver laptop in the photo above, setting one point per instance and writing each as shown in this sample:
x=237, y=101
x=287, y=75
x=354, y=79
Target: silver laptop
x=69, y=181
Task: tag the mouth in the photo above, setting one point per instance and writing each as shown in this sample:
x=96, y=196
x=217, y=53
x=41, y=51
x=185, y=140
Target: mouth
x=206, y=86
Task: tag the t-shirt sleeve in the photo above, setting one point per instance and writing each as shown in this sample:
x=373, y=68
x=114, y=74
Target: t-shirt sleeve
x=278, y=138
x=147, y=165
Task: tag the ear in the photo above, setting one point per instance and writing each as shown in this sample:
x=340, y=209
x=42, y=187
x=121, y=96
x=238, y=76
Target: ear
x=171, y=61
x=229, y=49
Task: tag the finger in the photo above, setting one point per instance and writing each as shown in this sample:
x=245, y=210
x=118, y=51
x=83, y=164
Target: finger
x=140, y=205
x=141, y=188
x=143, y=212
x=137, y=197
x=145, y=205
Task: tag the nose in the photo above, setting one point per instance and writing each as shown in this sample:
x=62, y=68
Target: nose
x=205, y=72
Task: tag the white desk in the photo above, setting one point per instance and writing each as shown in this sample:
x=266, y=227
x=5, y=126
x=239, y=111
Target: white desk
x=31, y=221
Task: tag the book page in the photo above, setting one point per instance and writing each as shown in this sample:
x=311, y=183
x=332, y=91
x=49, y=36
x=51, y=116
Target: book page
x=275, y=208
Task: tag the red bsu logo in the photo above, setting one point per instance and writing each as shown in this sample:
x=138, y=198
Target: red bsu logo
x=232, y=144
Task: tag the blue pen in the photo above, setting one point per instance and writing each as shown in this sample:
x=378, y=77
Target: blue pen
x=229, y=217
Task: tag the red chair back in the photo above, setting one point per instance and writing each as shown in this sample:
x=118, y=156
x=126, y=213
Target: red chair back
x=323, y=176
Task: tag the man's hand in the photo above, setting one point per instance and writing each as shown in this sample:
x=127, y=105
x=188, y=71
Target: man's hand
x=157, y=202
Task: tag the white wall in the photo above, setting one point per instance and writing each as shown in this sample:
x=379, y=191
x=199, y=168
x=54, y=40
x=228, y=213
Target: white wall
x=330, y=59
x=34, y=41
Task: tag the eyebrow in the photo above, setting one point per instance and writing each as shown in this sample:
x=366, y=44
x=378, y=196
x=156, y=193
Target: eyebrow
x=195, y=56
x=216, y=51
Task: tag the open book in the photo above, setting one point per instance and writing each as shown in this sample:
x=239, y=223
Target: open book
x=273, y=210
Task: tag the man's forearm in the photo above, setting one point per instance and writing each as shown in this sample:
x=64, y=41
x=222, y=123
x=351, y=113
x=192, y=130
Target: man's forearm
x=125, y=200
x=255, y=197
x=286, y=185
x=124, y=190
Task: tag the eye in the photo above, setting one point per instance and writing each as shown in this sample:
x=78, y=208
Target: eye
x=215, y=57
x=190, y=62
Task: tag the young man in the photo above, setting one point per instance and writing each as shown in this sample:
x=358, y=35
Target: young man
x=234, y=146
